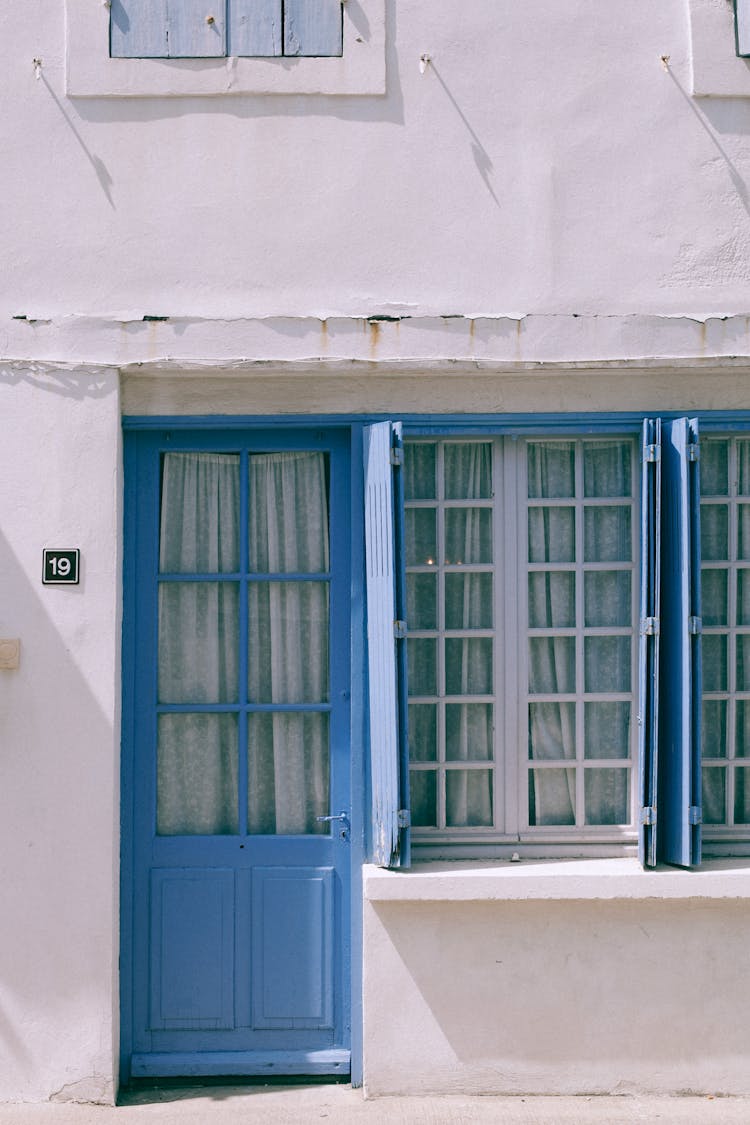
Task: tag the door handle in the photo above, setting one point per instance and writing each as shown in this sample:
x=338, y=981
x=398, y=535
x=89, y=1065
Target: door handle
x=343, y=817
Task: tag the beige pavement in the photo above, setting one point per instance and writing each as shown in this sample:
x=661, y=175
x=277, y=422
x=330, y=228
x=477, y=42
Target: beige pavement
x=340, y=1105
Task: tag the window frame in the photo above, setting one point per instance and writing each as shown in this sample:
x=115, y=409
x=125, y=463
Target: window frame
x=90, y=72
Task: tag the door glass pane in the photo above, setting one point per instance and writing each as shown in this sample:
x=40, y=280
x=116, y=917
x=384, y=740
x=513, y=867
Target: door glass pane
x=422, y=663
x=714, y=532
x=198, y=642
x=714, y=796
x=468, y=732
x=288, y=513
x=714, y=657
x=287, y=773
x=552, y=535
x=714, y=728
x=552, y=599
x=607, y=534
x=551, y=469
x=606, y=730
x=714, y=596
x=421, y=601
x=423, y=732
x=552, y=665
x=287, y=642
x=468, y=535
x=200, y=513
x=421, y=537
x=714, y=467
x=607, y=597
x=552, y=731
x=197, y=758
x=423, y=798
x=607, y=663
x=468, y=666
x=420, y=460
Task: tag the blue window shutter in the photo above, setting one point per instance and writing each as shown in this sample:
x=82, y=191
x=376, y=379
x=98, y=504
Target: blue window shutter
x=386, y=667
x=742, y=27
x=313, y=27
x=254, y=28
x=648, y=655
x=680, y=676
x=167, y=29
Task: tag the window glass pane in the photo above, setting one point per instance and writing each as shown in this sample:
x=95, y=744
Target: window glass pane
x=714, y=658
x=714, y=468
x=423, y=732
x=287, y=773
x=552, y=535
x=607, y=597
x=743, y=466
x=552, y=797
x=607, y=663
x=200, y=513
x=468, y=666
x=606, y=468
x=421, y=536
x=288, y=513
x=423, y=798
x=551, y=469
x=607, y=534
x=551, y=665
x=468, y=471
x=421, y=601
x=714, y=597
x=287, y=660
x=468, y=732
x=422, y=662
x=606, y=796
x=552, y=599
x=468, y=798
x=607, y=730
x=420, y=460
x=714, y=532
x=714, y=728
x=196, y=784
x=198, y=642
x=743, y=531
x=743, y=663
x=552, y=730
x=468, y=601
x=742, y=729
x=468, y=535
x=743, y=599
x=742, y=796
x=713, y=796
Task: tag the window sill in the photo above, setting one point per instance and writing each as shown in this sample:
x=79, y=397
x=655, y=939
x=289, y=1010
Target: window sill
x=717, y=71
x=534, y=880
x=91, y=73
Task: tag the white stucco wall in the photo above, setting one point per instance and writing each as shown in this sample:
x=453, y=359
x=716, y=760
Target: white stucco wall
x=573, y=978
x=59, y=736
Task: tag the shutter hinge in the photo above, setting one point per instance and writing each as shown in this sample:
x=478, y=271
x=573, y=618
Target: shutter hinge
x=652, y=453
x=695, y=814
x=397, y=456
x=695, y=626
x=693, y=452
x=404, y=818
x=650, y=627
x=399, y=630
x=647, y=815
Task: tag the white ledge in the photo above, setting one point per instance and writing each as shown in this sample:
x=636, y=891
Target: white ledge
x=532, y=880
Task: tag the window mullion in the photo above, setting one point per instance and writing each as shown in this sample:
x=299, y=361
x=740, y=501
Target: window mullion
x=440, y=561
x=579, y=644
x=732, y=580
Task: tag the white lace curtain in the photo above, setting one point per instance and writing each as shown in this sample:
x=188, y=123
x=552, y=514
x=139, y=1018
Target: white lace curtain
x=199, y=644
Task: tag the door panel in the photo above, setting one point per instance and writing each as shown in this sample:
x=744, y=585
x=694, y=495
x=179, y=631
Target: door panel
x=238, y=749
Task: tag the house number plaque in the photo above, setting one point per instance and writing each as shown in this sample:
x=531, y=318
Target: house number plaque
x=61, y=567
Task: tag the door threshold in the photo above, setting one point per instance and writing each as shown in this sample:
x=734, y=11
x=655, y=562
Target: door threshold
x=236, y=1064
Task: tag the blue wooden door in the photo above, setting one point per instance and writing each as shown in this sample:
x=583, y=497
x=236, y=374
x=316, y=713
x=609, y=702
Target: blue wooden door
x=236, y=791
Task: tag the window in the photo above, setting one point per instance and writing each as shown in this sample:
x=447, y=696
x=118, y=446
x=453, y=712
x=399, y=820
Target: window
x=219, y=28
x=725, y=592
x=522, y=655
x=547, y=673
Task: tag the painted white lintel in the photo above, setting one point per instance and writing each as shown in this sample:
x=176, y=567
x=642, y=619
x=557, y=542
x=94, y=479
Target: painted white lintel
x=182, y=343
x=533, y=880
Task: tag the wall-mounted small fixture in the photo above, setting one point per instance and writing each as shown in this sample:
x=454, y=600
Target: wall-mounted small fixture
x=742, y=28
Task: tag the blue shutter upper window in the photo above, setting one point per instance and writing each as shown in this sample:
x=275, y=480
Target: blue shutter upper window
x=179, y=29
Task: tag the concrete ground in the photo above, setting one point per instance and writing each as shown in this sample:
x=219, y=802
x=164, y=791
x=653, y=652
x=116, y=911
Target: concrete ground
x=340, y=1105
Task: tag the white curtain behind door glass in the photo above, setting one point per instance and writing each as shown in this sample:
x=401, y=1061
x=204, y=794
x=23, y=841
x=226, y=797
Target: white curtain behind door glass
x=288, y=757
x=197, y=767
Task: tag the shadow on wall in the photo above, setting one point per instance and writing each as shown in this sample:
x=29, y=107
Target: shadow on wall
x=71, y=382
x=580, y=991
x=58, y=829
